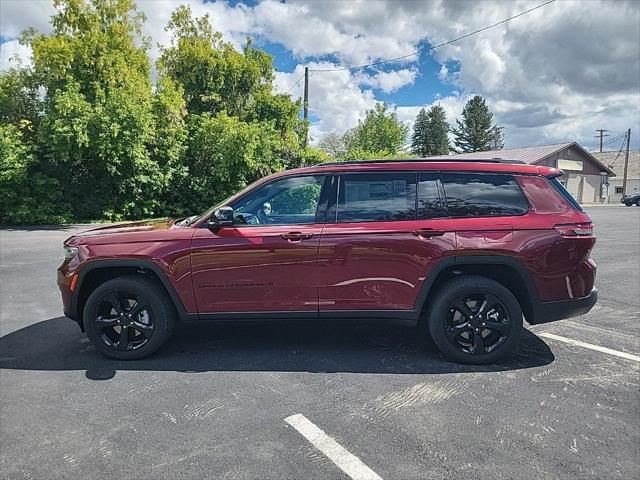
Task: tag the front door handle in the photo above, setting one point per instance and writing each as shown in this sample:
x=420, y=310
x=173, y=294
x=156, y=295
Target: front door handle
x=428, y=233
x=296, y=236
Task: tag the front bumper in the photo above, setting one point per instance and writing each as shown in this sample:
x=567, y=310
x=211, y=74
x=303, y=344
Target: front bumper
x=544, y=312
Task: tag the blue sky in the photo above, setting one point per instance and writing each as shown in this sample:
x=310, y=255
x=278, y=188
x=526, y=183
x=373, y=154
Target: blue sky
x=539, y=73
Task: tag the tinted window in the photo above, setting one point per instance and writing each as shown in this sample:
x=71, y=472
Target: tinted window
x=429, y=204
x=483, y=195
x=560, y=188
x=288, y=201
x=365, y=197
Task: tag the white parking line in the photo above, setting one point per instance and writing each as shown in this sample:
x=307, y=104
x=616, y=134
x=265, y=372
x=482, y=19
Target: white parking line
x=346, y=461
x=590, y=346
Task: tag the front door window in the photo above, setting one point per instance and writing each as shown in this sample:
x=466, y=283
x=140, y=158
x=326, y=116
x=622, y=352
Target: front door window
x=288, y=201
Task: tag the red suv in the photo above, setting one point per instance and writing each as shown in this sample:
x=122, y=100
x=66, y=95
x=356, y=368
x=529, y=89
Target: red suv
x=465, y=249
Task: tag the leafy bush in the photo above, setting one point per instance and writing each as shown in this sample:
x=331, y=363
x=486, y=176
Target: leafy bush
x=26, y=195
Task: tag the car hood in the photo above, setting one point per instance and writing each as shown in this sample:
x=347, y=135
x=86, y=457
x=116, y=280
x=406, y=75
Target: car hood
x=143, y=231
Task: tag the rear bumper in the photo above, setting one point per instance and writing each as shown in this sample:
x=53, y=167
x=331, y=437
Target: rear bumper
x=544, y=312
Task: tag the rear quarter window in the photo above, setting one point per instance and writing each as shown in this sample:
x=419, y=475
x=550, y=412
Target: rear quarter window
x=483, y=195
x=555, y=183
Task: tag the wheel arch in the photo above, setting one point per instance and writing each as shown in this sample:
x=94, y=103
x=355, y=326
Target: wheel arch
x=508, y=271
x=97, y=272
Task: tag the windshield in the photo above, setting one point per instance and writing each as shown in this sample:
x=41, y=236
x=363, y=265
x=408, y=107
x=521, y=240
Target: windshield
x=207, y=213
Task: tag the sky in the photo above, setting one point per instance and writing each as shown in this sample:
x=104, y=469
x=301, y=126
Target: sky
x=551, y=76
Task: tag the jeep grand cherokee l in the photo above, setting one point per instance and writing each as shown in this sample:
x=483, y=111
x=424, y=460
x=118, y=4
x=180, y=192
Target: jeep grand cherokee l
x=465, y=249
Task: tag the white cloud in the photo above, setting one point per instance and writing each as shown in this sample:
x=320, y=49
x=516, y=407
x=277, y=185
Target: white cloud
x=17, y=15
x=334, y=97
x=390, y=81
x=443, y=74
x=12, y=54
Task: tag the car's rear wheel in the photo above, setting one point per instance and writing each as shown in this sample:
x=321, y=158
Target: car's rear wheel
x=128, y=318
x=474, y=320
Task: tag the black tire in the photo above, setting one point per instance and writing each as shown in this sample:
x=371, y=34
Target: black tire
x=446, y=321
x=638, y=203
x=142, y=305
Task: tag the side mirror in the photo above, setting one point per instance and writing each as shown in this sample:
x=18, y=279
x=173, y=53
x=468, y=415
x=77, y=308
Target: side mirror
x=221, y=217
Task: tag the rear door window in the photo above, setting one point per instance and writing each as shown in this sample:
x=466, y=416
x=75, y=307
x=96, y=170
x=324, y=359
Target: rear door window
x=483, y=195
x=370, y=197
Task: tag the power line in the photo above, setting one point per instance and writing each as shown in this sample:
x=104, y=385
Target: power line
x=619, y=151
x=297, y=82
x=615, y=138
x=435, y=46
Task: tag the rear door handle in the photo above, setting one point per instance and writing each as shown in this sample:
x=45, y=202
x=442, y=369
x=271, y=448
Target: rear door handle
x=296, y=236
x=428, y=233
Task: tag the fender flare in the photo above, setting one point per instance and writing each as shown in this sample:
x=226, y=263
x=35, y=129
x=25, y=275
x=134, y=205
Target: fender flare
x=474, y=260
x=136, y=263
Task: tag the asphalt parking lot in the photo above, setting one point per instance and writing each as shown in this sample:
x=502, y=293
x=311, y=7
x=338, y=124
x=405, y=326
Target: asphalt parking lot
x=250, y=402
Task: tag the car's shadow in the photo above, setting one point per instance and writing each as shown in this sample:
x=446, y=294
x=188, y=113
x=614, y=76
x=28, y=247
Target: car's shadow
x=358, y=347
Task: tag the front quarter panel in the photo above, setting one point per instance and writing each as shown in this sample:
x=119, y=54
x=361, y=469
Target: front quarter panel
x=169, y=250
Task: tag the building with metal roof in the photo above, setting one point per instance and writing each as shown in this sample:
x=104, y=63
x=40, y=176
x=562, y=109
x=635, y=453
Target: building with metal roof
x=615, y=161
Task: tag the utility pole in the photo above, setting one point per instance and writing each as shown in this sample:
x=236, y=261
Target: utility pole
x=306, y=105
x=626, y=164
x=601, y=136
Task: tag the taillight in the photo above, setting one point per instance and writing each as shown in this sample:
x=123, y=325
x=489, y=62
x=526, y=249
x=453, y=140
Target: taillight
x=575, y=229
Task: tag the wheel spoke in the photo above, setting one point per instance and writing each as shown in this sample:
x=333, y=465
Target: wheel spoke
x=455, y=330
x=478, y=342
x=488, y=302
x=496, y=326
x=123, y=340
x=115, y=300
x=462, y=307
x=138, y=307
x=145, y=330
x=106, y=322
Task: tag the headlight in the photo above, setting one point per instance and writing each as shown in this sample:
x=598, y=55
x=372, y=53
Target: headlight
x=70, y=252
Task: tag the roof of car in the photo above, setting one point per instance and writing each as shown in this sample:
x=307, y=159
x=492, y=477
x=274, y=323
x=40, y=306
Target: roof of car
x=487, y=165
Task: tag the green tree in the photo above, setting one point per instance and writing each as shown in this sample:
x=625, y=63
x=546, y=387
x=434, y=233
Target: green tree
x=98, y=119
x=381, y=134
x=438, y=131
x=224, y=155
x=168, y=145
x=420, y=139
x=19, y=100
x=239, y=129
x=26, y=194
x=333, y=145
x=475, y=132
x=215, y=76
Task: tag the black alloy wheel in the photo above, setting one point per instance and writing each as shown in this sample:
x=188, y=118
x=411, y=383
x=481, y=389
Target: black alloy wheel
x=129, y=317
x=477, y=323
x=125, y=320
x=473, y=319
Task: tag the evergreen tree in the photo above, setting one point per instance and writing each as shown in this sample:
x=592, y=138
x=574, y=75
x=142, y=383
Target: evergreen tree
x=430, y=133
x=475, y=133
x=438, y=131
x=420, y=140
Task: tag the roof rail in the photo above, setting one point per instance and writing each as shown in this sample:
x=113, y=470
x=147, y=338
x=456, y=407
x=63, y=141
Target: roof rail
x=409, y=160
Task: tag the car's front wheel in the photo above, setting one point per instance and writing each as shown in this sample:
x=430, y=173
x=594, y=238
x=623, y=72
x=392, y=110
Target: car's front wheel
x=128, y=318
x=474, y=319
